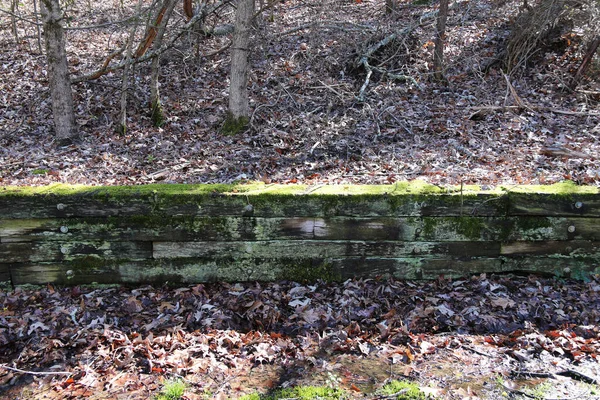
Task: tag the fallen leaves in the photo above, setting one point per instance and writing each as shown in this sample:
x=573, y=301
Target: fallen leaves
x=224, y=329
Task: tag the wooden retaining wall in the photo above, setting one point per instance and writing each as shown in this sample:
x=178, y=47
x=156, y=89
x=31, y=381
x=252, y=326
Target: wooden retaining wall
x=196, y=233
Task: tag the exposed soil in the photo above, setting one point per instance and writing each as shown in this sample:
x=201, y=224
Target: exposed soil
x=308, y=124
x=486, y=337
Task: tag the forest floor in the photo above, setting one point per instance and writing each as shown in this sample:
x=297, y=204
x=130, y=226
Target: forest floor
x=309, y=122
x=487, y=337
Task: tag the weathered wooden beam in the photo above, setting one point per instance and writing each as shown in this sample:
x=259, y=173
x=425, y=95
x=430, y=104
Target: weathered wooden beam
x=181, y=228
x=15, y=252
x=553, y=247
x=572, y=205
x=321, y=249
x=257, y=200
x=5, y=278
x=193, y=233
x=72, y=250
x=191, y=270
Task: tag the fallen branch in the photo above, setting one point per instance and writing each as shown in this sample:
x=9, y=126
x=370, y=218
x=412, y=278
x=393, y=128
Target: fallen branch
x=363, y=61
x=571, y=373
x=369, y=68
x=22, y=371
x=390, y=396
x=482, y=110
x=331, y=25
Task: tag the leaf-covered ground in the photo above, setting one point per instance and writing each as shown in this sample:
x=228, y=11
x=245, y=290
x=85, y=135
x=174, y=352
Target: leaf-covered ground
x=308, y=124
x=484, y=337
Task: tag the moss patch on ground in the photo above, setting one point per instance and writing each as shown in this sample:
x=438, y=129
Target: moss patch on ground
x=300, y=393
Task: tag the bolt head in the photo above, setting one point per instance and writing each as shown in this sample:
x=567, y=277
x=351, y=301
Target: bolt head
x=578, y=204
x=571, y=228
x=64, y=229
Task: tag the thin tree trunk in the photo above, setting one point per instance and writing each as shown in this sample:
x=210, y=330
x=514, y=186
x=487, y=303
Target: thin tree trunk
x=587, y=59
x=239, y=108
x=37, y=27
x=58, y=72
x=14, y=9
x=122, y=125
x=390, y=6
x=157, y=114
x=438, y=52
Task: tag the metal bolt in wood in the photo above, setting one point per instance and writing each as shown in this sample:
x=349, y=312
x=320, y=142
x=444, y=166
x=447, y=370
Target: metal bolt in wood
x=60, y=206
x=571, y=228
x=64, y=229
x=579, y=204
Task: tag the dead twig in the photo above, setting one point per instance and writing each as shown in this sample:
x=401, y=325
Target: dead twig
x=579, y=376
x=22, y=371
x=390, y=396
x=482, y=110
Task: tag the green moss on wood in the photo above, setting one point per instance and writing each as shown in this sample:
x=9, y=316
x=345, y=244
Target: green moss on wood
x=560, y=189
x=157, y=114
x=308, y=271
x=87, y=263
x=234, y=125
x=469, y=227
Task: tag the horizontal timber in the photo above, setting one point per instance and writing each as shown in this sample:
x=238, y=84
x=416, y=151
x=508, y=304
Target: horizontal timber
x=191, y=270
x=225, y=228
x=194, y=233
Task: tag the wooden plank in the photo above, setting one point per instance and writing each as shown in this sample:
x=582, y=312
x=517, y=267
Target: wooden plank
x=574, y=247
x=71, y=250
x=85, y=271
x=281, y=201
x=5, y=278
x=575, y=205
x=575, y=267
x=431, y=229
x=191, y=270
x=101, y=203
x=578, y=267
x=321, y=249
x=15, y=252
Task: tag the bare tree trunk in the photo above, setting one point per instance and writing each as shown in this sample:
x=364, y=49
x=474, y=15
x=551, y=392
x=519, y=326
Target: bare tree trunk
x=587, y=59
x=158, y=117
x=239, y=109
x=127, y=70
x=14, y=9
x=37, y=27
x=438, y=52
x=58, y=72
x=391, y=6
